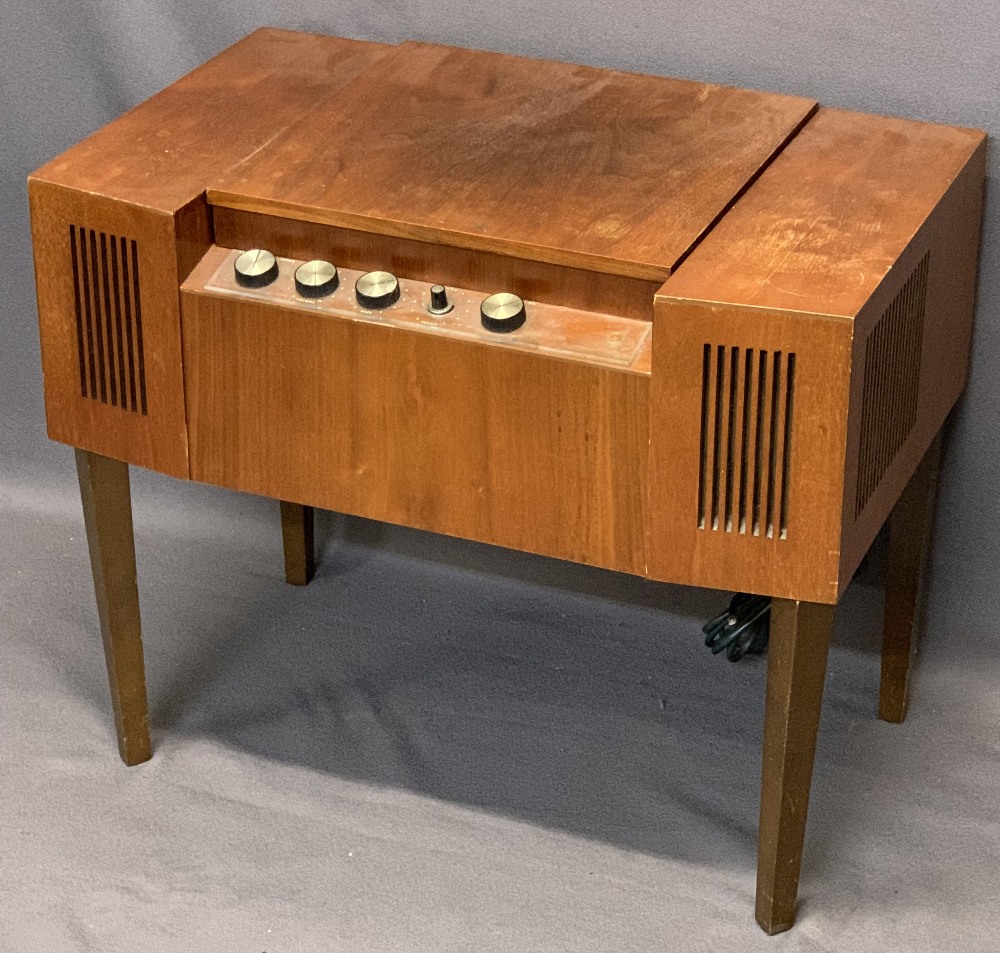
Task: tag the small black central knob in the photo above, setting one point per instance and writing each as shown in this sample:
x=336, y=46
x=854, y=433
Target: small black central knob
x=439, y=300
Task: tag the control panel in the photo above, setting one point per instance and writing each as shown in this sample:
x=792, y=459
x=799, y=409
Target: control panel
x=500, y=318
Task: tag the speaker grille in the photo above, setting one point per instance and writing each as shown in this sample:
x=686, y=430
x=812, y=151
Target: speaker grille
x=746, y=440
x=893, y=354
x=108, y=318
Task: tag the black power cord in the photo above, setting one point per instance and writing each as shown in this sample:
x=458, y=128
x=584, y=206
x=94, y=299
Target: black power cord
x=743, y=629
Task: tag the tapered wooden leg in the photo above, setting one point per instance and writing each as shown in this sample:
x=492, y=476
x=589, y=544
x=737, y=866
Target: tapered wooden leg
x=796, y=667
x=910, y=528
x=297, y=536
x=107, y=513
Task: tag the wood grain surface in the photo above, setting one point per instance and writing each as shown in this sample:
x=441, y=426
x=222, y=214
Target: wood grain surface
x=581, y=335
x=830, y=217
x=949, y=238
x=910, y=531
x=796, y=671
x=775, y=526
x=806, y=262
x=783, y=230
x=87, y=297
x=558, y=163
x=487, y=443
x=809, y=274
x=429, y=261
x=161, y=154
x=107, y=515
x=142, y=179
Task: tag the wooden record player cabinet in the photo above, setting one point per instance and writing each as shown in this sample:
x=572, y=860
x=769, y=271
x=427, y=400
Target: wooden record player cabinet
x=745, y=320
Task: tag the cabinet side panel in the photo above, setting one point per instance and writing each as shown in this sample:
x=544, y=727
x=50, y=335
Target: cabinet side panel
x=911, y=352
x=825, y=255
x=107, y=284
x=747, y=434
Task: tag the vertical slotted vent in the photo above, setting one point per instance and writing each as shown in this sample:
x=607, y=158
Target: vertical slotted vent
x=108, y=318
x=746, y=440
x=891, y=382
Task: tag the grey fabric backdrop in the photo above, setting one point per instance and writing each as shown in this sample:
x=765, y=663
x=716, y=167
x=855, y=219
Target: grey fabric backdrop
x=439, y=745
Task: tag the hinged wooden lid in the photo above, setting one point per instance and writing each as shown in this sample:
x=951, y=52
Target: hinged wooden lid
x=610, y=171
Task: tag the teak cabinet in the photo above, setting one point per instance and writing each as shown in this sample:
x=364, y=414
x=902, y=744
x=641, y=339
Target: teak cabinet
x=746, y=319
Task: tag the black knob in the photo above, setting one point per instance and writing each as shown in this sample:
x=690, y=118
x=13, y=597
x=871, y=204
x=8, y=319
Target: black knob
x=377, y=289
x=502, y=313
x=439, y=300
x=316, y=279
x=256, y=268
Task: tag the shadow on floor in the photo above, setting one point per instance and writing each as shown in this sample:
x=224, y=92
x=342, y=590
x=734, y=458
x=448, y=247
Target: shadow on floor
x=565, y=696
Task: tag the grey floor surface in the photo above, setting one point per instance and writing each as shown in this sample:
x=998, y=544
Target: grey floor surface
x=442, y=746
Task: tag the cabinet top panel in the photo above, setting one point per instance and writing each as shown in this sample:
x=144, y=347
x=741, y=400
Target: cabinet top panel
x=618, y=172
x=161, y=154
